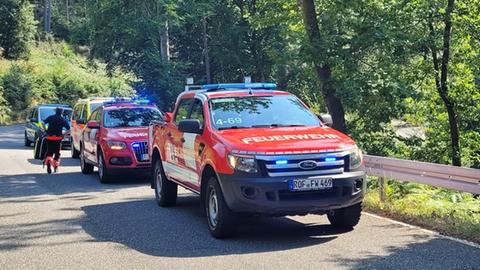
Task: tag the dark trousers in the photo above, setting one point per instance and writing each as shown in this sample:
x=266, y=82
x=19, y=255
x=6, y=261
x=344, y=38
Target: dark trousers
x=53, y=149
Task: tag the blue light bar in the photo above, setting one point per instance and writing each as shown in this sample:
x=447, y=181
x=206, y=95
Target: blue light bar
x=136, y=145
x=269, y=86
x=329, y=159
x=281, y=162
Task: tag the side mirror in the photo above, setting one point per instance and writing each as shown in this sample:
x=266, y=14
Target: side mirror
x=190, y=126
x=80, y=122
x=168, y=117
x=33, y=120
x=326, y=119
x=93, y=124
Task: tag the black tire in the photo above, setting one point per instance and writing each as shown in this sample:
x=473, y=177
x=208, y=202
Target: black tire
x=346, y=218
x=27, y=141
x=86, y=167
x=165, y=190
x=221, y=220
x=103, y=172
x=75, y=152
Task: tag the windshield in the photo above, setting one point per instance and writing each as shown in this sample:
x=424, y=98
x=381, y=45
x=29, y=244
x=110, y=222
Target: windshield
x=260, y=111
x=130, y=117
x=47, y=111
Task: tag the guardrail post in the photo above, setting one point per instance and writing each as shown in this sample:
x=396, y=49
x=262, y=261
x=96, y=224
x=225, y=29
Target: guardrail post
x=381, y=188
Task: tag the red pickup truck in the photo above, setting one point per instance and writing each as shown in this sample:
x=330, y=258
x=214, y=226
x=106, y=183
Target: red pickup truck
x=250, y=149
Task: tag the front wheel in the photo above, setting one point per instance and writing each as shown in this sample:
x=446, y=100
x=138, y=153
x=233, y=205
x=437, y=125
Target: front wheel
x=165, y=190
x=221, y=220
x=87, y=168
x=345, y=218
x=103, y=171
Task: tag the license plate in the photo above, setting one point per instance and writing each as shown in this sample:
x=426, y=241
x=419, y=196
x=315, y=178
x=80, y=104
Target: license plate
x=144, y=157
x=310, y=184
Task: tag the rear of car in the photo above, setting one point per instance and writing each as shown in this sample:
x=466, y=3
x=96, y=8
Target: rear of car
x=35, y=127
x=115, y=139
x=81, y=112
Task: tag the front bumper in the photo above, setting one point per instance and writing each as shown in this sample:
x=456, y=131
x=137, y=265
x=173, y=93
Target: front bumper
x=271, y=195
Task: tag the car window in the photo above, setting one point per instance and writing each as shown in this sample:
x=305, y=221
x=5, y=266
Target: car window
x=197, y=111
x=183, y=109
x=35, y=113
x=83, y=114
x=93, y=116
x=98, y=117
x=130, y=117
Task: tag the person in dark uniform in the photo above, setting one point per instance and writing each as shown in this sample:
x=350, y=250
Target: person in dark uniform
x=56, y=123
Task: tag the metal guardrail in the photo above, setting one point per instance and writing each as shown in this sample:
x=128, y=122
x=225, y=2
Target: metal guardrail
x=437, y=175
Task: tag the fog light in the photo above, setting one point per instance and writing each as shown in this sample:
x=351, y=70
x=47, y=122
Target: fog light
x=114, y=160
x=249, y=192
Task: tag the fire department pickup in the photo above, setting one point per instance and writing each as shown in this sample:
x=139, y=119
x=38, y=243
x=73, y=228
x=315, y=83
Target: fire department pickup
x=250, y=149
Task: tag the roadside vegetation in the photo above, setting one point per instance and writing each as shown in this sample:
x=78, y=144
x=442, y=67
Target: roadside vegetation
x=368, y=63
x=448, y=212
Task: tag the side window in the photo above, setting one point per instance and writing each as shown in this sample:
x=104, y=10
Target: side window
x=83, y=114
x=197, y=111
x=76, y=112
x=93, y=116
x=98, y=117
x=183, y=109
x=35, y=113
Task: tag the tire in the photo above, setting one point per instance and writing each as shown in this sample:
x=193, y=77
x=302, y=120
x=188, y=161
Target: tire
x=103, y=173
x=86, y=167
x=27, y=141
x=75, y=152
x=165, y=190
x=221, y=220
x=346, y=218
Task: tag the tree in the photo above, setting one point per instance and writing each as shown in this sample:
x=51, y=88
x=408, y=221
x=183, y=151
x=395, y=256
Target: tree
x=16, y=28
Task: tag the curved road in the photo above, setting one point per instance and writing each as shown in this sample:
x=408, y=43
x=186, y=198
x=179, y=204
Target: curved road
x=71, y=221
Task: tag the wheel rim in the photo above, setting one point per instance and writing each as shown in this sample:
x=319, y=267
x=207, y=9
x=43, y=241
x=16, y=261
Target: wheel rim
x=100, y=166
x=213, y=208
x=158, y=182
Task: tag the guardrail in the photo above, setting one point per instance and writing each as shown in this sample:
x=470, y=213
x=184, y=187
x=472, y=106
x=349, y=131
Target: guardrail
x=437, y=175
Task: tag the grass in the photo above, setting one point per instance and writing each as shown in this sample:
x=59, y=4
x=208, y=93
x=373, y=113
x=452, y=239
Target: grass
x=448, y=212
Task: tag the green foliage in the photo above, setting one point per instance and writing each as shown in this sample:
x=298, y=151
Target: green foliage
x=444, y=210
x=4, y=108
x=16, y=28
x=55, y=74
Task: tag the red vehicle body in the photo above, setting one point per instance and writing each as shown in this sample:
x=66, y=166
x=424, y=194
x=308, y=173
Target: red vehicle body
x=299, y=167
x=115, y=139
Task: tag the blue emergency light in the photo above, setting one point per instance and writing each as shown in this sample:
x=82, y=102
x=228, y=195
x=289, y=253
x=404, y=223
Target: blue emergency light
x=268, y=86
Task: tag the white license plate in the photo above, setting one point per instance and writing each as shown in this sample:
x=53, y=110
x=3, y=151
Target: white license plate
x=310, y=184
x=144, y=157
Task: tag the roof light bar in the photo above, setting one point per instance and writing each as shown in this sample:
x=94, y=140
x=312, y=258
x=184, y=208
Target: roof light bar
x=268, y=86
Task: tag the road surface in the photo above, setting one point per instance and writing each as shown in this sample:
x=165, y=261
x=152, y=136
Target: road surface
x=71, y=221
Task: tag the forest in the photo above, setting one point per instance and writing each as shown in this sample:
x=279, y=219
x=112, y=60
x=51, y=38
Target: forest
x=401, y=77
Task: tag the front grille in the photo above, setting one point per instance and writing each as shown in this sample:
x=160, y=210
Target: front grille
x=141, y=151
x=295, y=165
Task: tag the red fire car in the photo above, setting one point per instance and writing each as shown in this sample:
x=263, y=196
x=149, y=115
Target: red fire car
x=115, y=138
x=250, y=149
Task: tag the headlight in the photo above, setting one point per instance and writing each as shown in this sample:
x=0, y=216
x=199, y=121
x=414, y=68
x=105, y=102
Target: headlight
x=356, y=158
x=243, y=163
x=116, y=145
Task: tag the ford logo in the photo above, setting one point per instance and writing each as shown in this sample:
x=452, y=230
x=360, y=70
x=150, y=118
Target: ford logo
x=308, y=164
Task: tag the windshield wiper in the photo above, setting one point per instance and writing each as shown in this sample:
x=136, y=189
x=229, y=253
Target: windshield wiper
x=278, y=125
x=233, y=127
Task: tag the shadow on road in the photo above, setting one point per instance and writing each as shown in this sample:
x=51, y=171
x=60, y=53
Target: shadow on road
x=181, y=231
x=64, y=162
x=30, y=186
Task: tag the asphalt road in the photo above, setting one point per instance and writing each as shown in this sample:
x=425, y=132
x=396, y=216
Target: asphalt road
x=71, y=221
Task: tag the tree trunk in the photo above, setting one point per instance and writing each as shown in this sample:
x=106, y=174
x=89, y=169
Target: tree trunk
x=206, y=54
x=47, y=16
x=67, y=11
x=323, y=71
x=441, y=83
x=164, y=43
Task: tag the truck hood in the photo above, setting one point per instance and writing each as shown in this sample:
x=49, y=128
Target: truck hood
x=285, y=140
x=128, y=134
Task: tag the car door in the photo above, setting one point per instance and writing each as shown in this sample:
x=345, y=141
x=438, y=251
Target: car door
x=78, y=124
x=90, y=138
x=174, y=163
x=193, y=145
x=29, y=129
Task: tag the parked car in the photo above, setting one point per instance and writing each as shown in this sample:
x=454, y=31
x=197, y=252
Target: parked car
x=81, y=112
x=115, y=138
x=35, y=128
x=249, y=149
